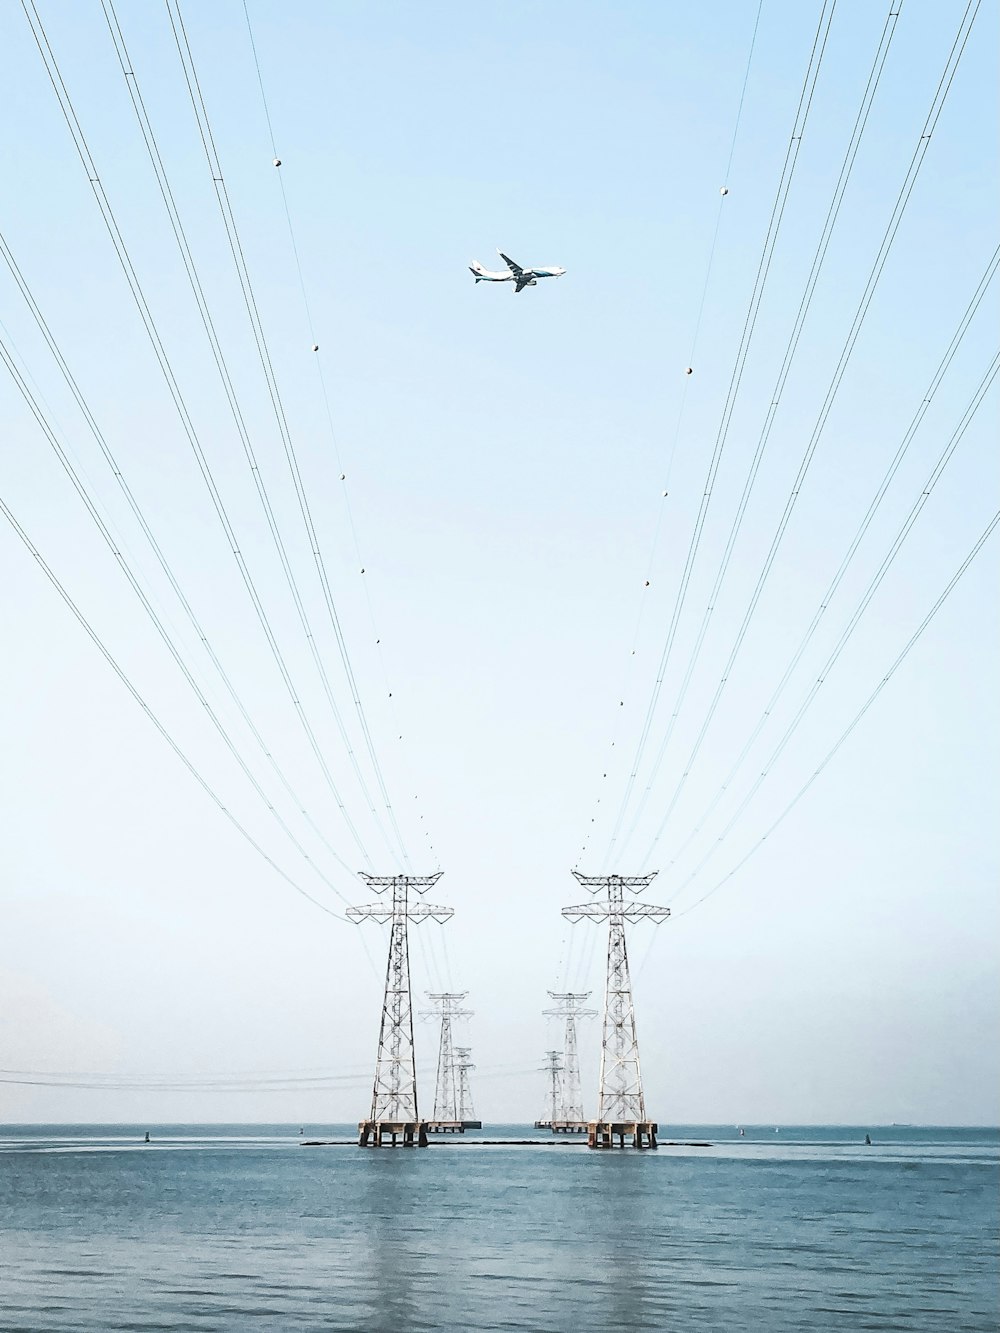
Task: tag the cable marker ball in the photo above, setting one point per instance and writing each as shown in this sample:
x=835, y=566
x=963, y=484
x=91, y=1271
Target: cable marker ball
x=689, y=370
x=315, y=347
x=724, y=191
x=277, y=161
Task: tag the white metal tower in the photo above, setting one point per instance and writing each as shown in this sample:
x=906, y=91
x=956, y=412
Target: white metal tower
x=553, y=1068
x=570, y=1007
x=463, y=1064
x=447, y=1009
x=394, y=1096
x=621, y=1107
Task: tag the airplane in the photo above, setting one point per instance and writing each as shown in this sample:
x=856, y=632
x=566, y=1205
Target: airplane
x=522, y=277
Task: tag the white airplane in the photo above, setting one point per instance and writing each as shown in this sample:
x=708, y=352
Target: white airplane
x=523, y=277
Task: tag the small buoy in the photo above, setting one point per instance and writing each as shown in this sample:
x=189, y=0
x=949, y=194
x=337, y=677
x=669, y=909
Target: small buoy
x=647, y=583
x=724, y=191
x=315, y=347
x=665, y=494
x=689, y=370
x=277, y=161
x=343, y=477
x=362, y=569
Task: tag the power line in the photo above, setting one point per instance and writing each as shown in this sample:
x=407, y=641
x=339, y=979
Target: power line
x=204, y=310
x=147, y=532
x=151, y=612
x=863, y=527
x=120, y=673
x=942, y=462
x=138, y=296
x=679, y=420
x=805, y=302
x=324, y=392
x=833, y=388
x=345, y=487
x=991, y=526
x=777, y=213
x=232, y=232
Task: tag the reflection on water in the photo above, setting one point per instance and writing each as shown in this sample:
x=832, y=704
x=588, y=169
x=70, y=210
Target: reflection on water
x=214, y=1229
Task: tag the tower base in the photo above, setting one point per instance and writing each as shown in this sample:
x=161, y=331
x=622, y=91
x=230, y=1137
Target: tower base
x=603, y=1133
x=569, y=1126
x=392, y=1133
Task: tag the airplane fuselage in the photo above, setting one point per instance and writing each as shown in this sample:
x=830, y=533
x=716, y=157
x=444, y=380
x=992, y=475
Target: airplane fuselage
x=521, y=277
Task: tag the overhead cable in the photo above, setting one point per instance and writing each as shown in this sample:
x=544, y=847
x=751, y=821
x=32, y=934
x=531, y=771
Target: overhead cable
x=325, y=395
x=204, y=310
x=187, y=423
x=805, y=302
x=845, y=735
x=232, y=232
x=150, y=537
x=181, y=755
x=838, y=577
x=937, y=105
x=680, y=413
x=777, y=213
x=824, y=671
x=157, y=621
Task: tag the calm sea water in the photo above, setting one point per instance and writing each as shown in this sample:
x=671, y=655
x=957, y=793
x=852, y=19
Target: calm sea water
x=235, y=1227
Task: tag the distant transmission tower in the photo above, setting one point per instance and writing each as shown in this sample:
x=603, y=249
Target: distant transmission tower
x=621, y=1108
x=394, y=1096
x=553, y=1068
x=569, y=1007
x=466, y=1111
x=446, y=1099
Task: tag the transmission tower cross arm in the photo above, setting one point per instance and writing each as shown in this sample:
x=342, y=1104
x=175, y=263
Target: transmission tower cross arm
x=597, y=883
x=383, y=912
x=423, y=911
x=627, y=911
x=421, y=883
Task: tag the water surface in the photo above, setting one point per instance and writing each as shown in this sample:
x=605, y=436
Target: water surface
x=229, y=1227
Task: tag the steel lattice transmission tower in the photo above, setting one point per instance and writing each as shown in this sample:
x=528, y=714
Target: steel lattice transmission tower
x=570, y=1006
x=463, y=1064
x=621, y=1107
x=446, y=1085
x=553, y=1067
x=394, y=1096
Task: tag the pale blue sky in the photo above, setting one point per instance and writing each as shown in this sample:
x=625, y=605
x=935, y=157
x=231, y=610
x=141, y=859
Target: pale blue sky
x=505, y=459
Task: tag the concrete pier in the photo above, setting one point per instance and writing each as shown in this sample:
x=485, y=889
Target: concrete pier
x=452, y=1126
x=603, y=1133
x=392, y=1133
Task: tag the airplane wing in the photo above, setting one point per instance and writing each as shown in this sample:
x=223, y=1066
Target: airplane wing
x=516, y=269
x=522, y=280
